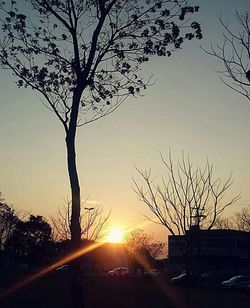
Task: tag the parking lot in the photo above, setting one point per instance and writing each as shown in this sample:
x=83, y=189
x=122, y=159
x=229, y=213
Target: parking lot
x=126, y=292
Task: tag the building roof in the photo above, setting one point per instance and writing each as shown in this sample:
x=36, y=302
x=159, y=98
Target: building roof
x=216, y=233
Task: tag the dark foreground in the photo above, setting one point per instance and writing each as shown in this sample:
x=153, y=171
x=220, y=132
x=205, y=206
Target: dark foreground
x=101, y=292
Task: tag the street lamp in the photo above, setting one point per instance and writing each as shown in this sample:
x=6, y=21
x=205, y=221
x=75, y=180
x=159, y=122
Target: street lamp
x=88, y=209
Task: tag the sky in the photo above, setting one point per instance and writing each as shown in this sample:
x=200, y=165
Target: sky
x=187, y=109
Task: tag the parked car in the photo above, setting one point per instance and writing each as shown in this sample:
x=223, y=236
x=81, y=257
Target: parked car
x=153, y=272
x=63, y=268
x=119, y=272
x=184, y=279
x=236, y=282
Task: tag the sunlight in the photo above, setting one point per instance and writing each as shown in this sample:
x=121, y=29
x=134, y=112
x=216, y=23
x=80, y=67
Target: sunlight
x=115, y=235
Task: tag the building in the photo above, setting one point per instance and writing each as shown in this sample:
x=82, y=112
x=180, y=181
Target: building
x=210, y=249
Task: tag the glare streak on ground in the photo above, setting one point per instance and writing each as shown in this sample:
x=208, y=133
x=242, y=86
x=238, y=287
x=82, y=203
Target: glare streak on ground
x=68, y=258
x=161, y=283
x=49, y=269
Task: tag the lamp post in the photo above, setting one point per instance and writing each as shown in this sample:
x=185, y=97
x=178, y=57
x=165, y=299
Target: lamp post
x=88, y=209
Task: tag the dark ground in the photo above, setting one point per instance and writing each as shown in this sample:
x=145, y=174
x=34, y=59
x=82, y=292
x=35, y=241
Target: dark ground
x=101, y=292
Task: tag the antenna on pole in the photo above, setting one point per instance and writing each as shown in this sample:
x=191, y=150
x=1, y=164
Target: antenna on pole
x=197, y=217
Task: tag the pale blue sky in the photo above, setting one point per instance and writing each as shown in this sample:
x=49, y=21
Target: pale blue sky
x=187, y=109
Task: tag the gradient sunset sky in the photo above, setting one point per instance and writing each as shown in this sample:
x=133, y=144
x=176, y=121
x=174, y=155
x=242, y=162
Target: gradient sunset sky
x=188, y=109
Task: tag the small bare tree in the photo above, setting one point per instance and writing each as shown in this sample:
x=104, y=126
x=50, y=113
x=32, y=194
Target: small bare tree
x=241, y=219
x=234, y=53
x=189, y=197
x=93, y=222
x=142, y=248
x=226, y=223
x=138, y=241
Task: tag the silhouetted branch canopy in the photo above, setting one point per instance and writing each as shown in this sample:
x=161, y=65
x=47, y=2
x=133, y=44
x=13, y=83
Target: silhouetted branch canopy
x=234, y=53
x=93, y=222
x=90, y=50
x=241, y=219
x=140, y=243
x=187, y=195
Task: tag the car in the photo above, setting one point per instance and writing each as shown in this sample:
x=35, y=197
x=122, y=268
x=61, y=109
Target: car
x=153, y=272
x=184, y=279
x=122, y=271
x=63, y=268
x=236, y=282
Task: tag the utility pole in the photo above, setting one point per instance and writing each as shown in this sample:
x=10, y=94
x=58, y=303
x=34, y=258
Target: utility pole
x=198, y=216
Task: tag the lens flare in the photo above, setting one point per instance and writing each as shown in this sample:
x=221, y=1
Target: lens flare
x=49, y=269
x=115, y=235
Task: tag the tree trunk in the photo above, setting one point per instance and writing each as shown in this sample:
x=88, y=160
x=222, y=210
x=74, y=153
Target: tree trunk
x=75, y=227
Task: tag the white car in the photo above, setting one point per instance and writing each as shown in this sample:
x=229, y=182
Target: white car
x=236, y=282
x=119, y=272
x=63, y=268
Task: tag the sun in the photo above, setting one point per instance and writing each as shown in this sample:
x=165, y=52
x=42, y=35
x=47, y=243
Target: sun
x=115, y=235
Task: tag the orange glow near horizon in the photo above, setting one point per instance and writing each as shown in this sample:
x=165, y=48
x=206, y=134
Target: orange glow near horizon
x=117, y=234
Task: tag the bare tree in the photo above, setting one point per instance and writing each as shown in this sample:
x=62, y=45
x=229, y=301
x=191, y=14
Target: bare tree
x=189, y=197
x=241, y=219
x=234, y=53
x=226, y=223
x=93, y=222
x=138, y=241
x=142, y=248
x=84, y=59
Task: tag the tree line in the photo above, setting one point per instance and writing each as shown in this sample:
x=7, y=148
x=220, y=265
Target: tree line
x=32, y=241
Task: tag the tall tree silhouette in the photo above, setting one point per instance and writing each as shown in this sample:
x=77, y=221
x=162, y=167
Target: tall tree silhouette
x=84, y=58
